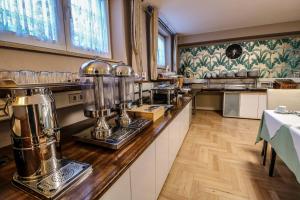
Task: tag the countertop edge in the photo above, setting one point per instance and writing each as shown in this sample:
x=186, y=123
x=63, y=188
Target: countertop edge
x=108, y=166
x=122, y=171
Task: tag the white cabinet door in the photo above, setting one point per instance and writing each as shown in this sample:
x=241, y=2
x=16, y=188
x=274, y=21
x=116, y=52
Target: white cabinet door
x=190, y=113
x=180, y=127
x=186, y=120
x=248, y=105
x=173, y=142
x=120, y=189
x=262, y=105
x=162, y=159
x=142, y=174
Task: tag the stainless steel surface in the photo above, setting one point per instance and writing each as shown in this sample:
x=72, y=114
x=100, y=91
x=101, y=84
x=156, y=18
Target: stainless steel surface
x=253, y=73
x=101, y=130
x=55, y=184
x=166, y=89
x=123, y=70
x=124, y=119
x=95, y=68
x=119, y=137
x=140, y=94
x=35, y=136
x=98, y=93
x=125, y=95
x=7, y=83
x=241, y=73
x=235, y=87
x=34, y=131
x=231, y=104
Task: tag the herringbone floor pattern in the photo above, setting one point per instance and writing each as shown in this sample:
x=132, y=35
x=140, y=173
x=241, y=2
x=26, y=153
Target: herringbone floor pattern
x=219, y=161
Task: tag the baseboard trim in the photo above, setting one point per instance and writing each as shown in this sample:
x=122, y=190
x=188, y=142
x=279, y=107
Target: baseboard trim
x=207, y=108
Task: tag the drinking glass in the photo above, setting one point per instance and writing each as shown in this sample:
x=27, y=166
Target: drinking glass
x=24, y=77
x=43, y=77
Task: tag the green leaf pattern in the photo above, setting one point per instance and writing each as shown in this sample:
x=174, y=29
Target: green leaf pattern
x=275, y=58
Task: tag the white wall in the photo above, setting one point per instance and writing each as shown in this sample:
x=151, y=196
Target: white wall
x=242, y=32
x=13, y=59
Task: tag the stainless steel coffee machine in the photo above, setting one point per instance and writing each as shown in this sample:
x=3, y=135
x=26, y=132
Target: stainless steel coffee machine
x=97, y=83
x=106, y=88
x=35, y=135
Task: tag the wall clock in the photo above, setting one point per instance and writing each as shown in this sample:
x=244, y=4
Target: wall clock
x=234, y=51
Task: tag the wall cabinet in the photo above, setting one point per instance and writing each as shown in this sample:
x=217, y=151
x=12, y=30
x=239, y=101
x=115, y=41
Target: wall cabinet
x=147, y=175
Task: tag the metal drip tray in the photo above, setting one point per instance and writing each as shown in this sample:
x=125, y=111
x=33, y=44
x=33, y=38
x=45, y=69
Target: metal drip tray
x=54, y=185
x=119, y=137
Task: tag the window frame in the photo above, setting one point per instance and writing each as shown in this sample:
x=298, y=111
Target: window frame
x=165, y=44
x=13, y=41
x=70, y=47
x=32, y=41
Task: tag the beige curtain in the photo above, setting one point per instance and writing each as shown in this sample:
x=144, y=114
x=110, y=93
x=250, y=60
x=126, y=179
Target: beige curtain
x=175, y=56
x=153, y=43
x=136, y=39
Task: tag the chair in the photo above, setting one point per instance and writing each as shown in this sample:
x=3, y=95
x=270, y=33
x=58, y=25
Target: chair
x=283, y=97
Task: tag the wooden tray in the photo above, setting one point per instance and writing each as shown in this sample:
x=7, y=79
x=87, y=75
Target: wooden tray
x=151, y=112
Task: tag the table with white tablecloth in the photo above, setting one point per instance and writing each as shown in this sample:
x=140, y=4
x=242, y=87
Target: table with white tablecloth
x=282, y=131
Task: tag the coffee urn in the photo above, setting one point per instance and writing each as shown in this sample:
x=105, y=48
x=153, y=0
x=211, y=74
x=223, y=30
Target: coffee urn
x=35, y=134
x=97, y=83
x=124, y=91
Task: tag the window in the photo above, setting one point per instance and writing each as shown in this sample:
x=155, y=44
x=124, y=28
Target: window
x=33, y=22
x=161, y=51
x=41, y=23
x=88, y=27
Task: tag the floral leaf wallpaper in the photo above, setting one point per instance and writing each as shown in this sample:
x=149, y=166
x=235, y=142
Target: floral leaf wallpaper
x=274, y=58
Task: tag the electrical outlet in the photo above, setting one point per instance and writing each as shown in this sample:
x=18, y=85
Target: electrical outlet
x=75, y=98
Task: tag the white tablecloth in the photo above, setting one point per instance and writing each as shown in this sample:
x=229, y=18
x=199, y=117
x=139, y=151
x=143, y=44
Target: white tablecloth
x=295, y=133
x=275, y=120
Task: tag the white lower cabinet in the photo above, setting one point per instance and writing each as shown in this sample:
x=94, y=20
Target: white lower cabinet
x=120, y=189
x=173, y=141
x=146, y=176
x=162, y=160
x=244, y=104
x=248, y=105
x=252, y=105
x=142, y=174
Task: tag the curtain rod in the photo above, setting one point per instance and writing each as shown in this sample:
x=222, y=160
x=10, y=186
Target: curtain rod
x=149, y=11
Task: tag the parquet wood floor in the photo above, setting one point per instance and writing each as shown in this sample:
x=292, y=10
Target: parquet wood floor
x=219, y=161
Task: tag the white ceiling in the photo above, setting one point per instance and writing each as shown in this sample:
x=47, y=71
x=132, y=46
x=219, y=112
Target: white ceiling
x=190, y=17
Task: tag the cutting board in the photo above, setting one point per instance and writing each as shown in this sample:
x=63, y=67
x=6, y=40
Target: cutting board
x=151, y=112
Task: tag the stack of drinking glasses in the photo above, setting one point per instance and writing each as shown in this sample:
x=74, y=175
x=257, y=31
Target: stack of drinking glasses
x=25, y=77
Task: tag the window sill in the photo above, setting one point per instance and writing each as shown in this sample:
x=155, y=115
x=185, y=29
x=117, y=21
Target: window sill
x=24, y=47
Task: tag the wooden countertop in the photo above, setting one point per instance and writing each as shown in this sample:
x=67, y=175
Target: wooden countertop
x=229, y=90
x=108, y=165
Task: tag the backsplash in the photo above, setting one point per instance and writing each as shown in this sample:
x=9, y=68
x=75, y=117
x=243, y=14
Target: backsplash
x=274, y=58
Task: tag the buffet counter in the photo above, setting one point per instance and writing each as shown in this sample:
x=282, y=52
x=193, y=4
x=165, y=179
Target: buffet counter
x=108, y=165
